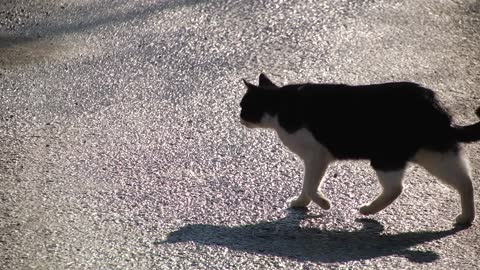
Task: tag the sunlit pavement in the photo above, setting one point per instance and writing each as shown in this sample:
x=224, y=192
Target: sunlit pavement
x=121, y=146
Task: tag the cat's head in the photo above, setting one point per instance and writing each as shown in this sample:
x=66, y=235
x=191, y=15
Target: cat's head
x=257, y=104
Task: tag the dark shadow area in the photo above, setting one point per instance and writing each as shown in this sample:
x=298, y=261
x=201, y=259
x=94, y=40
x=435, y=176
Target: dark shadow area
x=285, y=238
x=10, y=40
x=120, y=17
x=96, y=19
x=18, y=48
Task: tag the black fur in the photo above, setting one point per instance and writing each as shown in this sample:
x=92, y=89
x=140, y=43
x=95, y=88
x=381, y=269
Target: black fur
x=384, y=123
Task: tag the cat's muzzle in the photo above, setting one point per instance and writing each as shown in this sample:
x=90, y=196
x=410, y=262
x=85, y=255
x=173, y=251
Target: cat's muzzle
x=246, y=124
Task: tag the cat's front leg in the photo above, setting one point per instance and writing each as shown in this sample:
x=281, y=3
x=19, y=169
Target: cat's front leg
x=300, y=201
x=314, y=170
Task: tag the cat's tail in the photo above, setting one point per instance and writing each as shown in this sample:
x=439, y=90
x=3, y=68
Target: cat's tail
x=469, y=133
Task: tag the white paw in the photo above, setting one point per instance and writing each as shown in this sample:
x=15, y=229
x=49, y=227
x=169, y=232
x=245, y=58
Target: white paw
x=463, y=219
x=298, y=202
x=366, y=210
x=323, y=203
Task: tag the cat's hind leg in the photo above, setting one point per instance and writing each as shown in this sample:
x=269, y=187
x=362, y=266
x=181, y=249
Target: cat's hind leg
x=452, y=168
x=314, y=170
x=391, y=182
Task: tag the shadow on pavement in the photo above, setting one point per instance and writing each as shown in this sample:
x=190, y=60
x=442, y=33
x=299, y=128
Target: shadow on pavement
x=285, y=238
x=98, y=18
x=18, y=49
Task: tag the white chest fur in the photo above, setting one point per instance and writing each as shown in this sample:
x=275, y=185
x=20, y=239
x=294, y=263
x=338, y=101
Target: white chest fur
x=302, y=143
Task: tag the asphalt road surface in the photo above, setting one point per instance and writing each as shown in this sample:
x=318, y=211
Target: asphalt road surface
x=121, y=148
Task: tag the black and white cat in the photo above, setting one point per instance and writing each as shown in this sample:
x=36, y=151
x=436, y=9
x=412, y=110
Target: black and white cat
x=389, y=124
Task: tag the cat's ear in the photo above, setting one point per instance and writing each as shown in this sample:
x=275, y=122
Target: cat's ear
x=249, y=85
x=263, y=80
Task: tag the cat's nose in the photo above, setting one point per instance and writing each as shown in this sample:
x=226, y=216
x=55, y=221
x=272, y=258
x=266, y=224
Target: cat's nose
x=245, y=123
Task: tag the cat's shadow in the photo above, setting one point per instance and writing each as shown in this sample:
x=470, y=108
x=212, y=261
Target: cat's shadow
x=285, y=238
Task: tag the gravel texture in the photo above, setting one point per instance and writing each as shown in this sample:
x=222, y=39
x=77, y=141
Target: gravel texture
x=121, y=148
